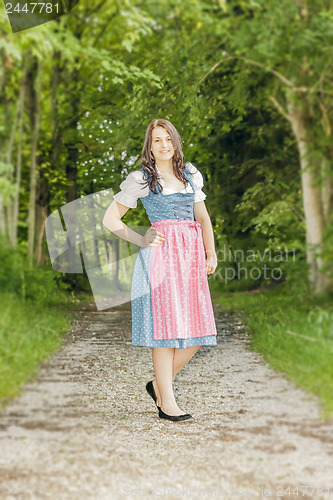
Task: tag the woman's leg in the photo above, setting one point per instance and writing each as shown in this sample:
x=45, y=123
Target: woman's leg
x=163, y=367
x=179, y=359
x=183, y=356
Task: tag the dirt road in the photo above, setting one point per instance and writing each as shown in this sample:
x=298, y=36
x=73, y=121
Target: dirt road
x=87, y=429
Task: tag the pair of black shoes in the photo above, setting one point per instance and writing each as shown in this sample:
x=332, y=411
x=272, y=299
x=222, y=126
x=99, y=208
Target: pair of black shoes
x=161, y=414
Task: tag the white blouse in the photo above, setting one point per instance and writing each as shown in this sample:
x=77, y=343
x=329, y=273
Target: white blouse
x=131, y=189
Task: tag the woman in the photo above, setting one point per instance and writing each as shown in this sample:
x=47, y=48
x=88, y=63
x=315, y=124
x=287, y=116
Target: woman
x=171, y=304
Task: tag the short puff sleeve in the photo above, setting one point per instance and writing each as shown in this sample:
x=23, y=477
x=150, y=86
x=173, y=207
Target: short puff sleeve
x=131, y=189
x=197, y=183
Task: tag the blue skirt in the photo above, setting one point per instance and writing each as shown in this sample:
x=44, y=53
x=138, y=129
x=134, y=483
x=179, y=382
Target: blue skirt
x=142, y=315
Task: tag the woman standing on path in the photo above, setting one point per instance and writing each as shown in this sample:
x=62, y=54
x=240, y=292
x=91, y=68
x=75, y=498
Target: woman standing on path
x=170, y=298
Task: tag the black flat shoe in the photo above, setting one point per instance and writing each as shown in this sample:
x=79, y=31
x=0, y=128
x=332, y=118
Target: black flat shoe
x=151, y=391
x=174, y=418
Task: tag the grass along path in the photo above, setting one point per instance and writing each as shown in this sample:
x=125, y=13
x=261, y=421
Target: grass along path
x=294, y=334
x=29, y=334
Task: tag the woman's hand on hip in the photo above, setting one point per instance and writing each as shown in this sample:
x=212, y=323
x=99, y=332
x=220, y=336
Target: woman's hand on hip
x=152, y=238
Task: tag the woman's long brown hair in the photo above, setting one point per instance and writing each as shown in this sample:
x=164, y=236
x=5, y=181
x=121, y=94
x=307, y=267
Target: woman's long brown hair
x=148, y=160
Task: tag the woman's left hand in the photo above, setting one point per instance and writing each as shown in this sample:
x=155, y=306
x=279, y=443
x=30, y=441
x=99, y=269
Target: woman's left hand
x=211, y=262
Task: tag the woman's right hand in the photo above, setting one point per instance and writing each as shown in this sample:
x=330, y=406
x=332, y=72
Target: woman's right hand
x=152, y=238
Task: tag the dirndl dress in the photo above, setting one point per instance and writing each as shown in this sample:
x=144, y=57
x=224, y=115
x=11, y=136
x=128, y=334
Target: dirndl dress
x=170, y=298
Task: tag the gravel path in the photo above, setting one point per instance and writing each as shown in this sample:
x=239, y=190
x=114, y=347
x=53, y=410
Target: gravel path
x=87, y=429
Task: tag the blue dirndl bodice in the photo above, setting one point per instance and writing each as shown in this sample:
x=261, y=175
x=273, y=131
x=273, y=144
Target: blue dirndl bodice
x=169, y=206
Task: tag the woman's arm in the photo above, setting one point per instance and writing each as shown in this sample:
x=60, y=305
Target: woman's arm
x=201, y=215
x=112, y=221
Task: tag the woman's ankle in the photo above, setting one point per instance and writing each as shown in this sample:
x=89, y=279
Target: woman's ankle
x=157, y=392
x=171, y=409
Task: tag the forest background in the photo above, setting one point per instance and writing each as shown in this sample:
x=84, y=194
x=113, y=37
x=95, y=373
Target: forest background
x=249, y=86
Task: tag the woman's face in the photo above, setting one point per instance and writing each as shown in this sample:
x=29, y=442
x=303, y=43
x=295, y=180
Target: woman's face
x=161, y=145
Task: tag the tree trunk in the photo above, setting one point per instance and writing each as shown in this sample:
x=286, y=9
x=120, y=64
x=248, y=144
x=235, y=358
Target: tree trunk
x=327, y=191
x=16, y=201
x=35, y=122
x=2, y=86
x=312, y=199
x=71, y=143
x=42, y=212
x=9, y=204
x=43, y=191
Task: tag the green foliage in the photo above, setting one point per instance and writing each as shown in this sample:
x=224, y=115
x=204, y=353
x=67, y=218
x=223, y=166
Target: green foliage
x=7, y=188
x=38, y=284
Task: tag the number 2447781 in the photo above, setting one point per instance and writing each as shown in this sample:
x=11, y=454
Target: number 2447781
x=32, y=7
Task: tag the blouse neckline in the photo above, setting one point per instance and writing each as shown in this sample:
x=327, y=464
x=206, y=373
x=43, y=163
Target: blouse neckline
x=174, y=192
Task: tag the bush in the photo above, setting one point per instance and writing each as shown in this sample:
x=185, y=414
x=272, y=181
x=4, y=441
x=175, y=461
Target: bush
x=40, y=284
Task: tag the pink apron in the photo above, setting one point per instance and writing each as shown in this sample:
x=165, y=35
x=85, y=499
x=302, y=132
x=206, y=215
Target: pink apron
x=180, y=295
